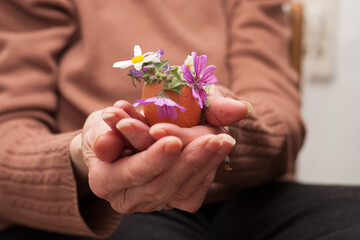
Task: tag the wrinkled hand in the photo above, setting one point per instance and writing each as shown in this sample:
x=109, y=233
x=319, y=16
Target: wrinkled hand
x=175, y=166
x=166, y=174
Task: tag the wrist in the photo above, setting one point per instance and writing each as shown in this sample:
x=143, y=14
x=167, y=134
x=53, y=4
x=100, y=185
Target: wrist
x=79, y=167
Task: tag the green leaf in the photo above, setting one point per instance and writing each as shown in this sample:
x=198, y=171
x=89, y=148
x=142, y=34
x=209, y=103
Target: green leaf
x=207, y=104
x=174, y=71
x=175, y=85
x=207, y=89
x=160, y=65
x=176, y=90
x=134, y=78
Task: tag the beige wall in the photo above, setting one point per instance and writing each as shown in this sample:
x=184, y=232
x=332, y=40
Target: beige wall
x=331, y=108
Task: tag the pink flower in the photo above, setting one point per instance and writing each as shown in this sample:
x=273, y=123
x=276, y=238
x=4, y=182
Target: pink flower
x=203, y=76
x=165, y=106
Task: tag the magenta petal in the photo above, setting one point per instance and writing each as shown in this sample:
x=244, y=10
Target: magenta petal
x=172, y=113
x=197, y=96
x=145, y=101
x=202, y=95
x=181, y=108
x=167, y=111
x=201, y=104
x=189, y=78
x=166, y=108
x=194, y=93
x=208, y=76
x=199, y=65
x=163, y=111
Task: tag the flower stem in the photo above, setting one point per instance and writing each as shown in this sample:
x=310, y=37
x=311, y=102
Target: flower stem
x=226, y=159
x=218, y=120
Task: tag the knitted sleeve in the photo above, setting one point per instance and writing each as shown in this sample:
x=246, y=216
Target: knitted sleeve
x=269, y=139
x=37, y=183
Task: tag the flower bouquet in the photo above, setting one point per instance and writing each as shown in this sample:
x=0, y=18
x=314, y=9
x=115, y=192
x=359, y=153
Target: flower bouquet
x=172, y=94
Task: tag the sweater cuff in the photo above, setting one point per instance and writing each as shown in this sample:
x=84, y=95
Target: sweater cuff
x=260, y=153
x=38, y=187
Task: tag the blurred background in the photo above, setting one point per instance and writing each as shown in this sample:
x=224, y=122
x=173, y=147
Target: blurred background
x=330, y=75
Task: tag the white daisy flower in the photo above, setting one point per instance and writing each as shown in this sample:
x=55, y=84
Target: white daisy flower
x=189, y=62
x=138, y=59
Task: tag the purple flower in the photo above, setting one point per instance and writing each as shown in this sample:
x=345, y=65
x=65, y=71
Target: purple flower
x=160, y=53
x=136, y=73
x=165, y=106
x=203, y=76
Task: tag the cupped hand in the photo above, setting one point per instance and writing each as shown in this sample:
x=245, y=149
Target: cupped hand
x=100, y=140
x=166, y=175
x=175, y=166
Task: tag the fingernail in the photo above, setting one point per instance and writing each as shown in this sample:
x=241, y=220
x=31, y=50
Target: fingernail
x=107, y=115
x=124, y=126
x=248, y=106
x=173, y=146
x=214, y=144
x=157, y=133
x=95, y=141
x=230, y=140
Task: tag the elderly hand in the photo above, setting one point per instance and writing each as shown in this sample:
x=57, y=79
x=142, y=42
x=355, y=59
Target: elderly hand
x=173, y=167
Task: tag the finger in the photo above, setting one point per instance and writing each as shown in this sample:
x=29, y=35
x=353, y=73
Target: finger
x=226, y=111
x=120, y=110
x=190, y=186
x=165, y=187
x=193, y=158
x=194, y=202
x=95, y=136
x=112, y=115
x=186, y=135
x=135, y=170
x=136, y=133
x=130, y=110
x=108, y=147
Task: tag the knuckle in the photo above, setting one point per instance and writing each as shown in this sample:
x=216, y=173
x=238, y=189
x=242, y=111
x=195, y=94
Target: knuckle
x=123, y=203
x=183, y=195
x=187, y=206
x=97, y=183
x=129, y=176
x=192, y=162
x=208, y=181
x=160, y=192
x=156, y=192
x=193, y=208
x=186, y=192
x=123, y=208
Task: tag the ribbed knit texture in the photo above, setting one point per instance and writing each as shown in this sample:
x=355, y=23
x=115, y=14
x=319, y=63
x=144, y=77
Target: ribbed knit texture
x=56, y=68
x=37, y=183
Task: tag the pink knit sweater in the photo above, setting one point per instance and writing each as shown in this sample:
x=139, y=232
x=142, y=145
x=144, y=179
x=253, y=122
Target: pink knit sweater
x=56, y=67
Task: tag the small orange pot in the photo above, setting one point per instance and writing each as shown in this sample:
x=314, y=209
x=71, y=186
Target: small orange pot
x=189, y=118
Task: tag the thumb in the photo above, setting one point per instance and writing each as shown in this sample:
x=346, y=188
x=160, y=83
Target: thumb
x=99, y=140
x=224, y=111
x=108, y=146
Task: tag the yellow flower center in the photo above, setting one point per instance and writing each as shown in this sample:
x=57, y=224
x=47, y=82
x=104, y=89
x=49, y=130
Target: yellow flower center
x=188, y=65
x=137, y=59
